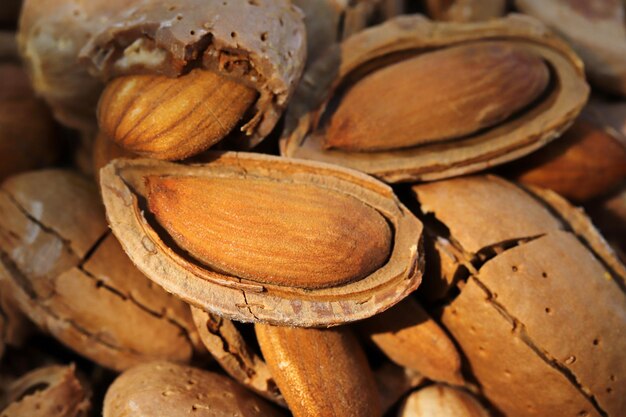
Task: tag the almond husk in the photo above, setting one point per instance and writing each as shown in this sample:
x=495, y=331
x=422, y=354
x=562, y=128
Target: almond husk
x=152, y=250
x=517, y=317
x=405, y=36
x=69, y=275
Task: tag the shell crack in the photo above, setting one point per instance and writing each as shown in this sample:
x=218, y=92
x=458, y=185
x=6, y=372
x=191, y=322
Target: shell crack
x=520, y=329
x=25, y=285
x=436, y=228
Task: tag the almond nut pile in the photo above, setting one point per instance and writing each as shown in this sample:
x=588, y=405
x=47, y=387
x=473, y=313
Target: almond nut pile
x=312, y=208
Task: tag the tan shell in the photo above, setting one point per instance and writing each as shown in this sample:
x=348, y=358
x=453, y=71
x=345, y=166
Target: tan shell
x=595, y=29
x=441, y=401
x=166, y=389
x=71, y=48
x=411, y=35
x=235, y=355
x=123, y=189
x=410, y=337
x=520, y=317
x=238, y=358
x=52, y=391
x=67, y=272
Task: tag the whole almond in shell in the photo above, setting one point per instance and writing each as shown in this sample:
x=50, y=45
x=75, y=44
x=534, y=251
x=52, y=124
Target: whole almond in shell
x=437, y=96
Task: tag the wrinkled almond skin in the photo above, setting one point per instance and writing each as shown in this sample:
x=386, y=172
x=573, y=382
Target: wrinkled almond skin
x=465, y=10
x=411, y=338
x=165, y=389
x=286, y=234
x=441, y=401
x=172, y=118
x=320, y=372
x=52, y=391
x=585, y=163
x=437, y=96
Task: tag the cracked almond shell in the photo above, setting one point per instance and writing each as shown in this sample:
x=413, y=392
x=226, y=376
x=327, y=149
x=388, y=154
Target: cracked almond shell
x=410, y=36
x=72, y=49
x=51, y=391
x=69, y=275
x=282, y=295
x=540, y=313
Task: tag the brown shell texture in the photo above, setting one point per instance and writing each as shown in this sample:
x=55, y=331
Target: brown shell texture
x=408, y=336
x=595, y=29
x=235, y=355
x=409, y=36
x=317, y=300
x=55, y=244
x=72, y=48
x=520, y=315
x=52, y=391
x=167, y=389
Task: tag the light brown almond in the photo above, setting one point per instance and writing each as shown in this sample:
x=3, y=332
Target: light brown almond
x=297, y=235
x=320, y=372
x=437, y=96
x=172, y=118
x=587, y=162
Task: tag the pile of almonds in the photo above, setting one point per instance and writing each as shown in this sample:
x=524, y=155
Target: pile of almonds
x=372, y=208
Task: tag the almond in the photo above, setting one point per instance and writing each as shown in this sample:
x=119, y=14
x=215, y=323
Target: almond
x=172, y=118
x=588, y=161
x=285, y=234
x=437, y=96
x=321, y=372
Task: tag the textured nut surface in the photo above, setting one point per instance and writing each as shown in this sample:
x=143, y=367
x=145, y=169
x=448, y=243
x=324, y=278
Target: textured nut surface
x=321, y=372
x=437, y=96
x=286, y=234
x=465, y=10
x=441, y=401
x=235, y=354
x=166, y=389
x=406, y=37
x=52, y=391
x=587, y=162
x=518, y=318
x=172, y=118
x=69, y=275
x=315, y=301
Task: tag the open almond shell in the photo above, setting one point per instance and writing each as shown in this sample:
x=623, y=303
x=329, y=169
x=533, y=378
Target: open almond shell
x=154, y=253
x=409, y=36
x=72, y=48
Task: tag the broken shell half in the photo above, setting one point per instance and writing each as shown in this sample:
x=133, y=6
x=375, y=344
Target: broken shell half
x=408, y=37
x=278, y=242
